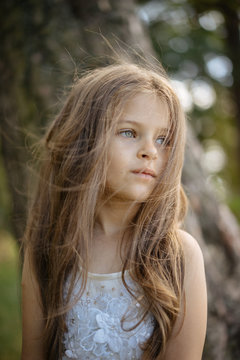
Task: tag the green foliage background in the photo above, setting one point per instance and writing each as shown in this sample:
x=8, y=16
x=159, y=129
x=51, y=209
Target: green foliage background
x=10, y=319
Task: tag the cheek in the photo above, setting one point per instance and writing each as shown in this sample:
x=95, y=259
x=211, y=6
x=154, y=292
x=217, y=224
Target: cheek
x=117, y=157
x=163, y=159
x=115, y=166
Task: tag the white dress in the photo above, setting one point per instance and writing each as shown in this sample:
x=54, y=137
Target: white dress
x=94, y=323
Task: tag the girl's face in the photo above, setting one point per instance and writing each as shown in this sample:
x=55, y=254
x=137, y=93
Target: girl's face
x=136, y=155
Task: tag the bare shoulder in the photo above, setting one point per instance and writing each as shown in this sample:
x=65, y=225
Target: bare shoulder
x=194, y=264
x=32, y=314
x=193, y=254
x=190, y=244
x=190, y=327
x=29, y=282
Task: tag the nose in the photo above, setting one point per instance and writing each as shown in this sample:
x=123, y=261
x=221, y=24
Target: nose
x=148, y=151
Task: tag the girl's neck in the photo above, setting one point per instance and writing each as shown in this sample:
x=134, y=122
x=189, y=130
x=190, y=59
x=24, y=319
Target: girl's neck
x=114, y=217
x=112, y=222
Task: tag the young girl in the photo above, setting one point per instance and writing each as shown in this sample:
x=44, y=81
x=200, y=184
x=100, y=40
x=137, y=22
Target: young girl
x=108, y=274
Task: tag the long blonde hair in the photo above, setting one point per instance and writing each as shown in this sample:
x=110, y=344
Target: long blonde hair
x=73, y=174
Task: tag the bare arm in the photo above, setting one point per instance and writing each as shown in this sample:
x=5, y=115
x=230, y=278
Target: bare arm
x=188, y=337
x=32, y=315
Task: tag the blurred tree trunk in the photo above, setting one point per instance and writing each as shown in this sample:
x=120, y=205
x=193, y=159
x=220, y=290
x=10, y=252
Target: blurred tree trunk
x=19, y=101
x=14, y=156
x=209, y=221
x=12, y=143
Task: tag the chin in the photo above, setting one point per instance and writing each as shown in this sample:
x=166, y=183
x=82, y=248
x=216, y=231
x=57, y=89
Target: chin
x=135, y=194
x=137, y=197
x=140, y=195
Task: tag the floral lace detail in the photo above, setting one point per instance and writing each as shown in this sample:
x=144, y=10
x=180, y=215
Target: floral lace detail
x=95, y=330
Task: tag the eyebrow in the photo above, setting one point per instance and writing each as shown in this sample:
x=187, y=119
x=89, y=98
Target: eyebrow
x=165, y=130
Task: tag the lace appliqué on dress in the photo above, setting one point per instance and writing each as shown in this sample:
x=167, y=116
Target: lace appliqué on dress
x=95, y=330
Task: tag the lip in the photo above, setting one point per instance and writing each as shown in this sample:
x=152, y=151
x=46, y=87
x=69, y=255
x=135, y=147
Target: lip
x=145, y=171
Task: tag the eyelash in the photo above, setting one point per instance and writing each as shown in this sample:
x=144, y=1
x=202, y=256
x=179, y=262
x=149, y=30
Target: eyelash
x=121, y=132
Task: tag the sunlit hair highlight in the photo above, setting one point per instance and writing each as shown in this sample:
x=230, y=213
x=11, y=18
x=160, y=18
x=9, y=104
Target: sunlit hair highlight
x=72, y=180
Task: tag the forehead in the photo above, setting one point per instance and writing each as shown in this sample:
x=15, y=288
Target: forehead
x=147, y=109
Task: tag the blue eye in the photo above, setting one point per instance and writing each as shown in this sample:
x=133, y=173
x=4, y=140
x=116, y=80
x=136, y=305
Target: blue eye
x=127, y=133
x=160, y=140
